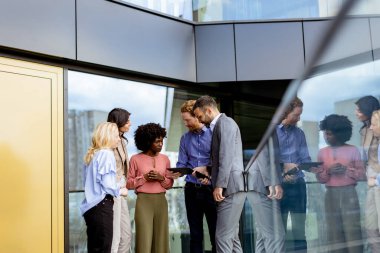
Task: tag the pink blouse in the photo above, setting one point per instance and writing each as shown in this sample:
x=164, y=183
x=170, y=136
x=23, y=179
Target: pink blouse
x=348, y=156
x=141, y=164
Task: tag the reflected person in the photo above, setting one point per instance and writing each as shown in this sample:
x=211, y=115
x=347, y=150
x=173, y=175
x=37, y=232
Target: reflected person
x=121, y=241
x=365, y=106
x=148, y=175
x=194, y=151
x=375, y=127
x=226, y=173
x=293, y=151
x=341, y=169
x=265, y=192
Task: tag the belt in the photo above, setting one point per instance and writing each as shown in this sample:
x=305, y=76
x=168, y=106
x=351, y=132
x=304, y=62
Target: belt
x=192, y=185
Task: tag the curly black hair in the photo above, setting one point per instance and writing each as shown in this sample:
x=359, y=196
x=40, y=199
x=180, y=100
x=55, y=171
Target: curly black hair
x=146, y=134
x=339, y=125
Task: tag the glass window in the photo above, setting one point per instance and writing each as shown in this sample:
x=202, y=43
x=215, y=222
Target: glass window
x=220, y=10
x=329, y=109
x=341, y=192
x=90, y=98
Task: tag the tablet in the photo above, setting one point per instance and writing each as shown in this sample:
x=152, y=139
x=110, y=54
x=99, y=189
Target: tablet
x=308, y=166
x=183, y=171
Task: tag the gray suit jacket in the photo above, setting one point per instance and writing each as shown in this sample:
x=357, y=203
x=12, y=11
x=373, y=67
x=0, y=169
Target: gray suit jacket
x=227, y=156
x=266, y=169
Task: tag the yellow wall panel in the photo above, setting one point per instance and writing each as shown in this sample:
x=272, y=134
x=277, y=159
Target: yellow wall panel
x=31, y=152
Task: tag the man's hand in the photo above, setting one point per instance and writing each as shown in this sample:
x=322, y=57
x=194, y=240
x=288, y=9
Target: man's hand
x=174, y=175
x=316, y=170
x=275, y=192
x=204, y=171
x=218, y=194
x=289, y=166
x=286, y=168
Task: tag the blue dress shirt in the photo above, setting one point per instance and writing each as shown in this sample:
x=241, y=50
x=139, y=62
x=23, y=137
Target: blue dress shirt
x=194, y=151
x=99, y=179
x=293, y=147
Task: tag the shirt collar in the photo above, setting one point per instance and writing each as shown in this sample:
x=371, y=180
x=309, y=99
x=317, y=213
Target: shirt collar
x=213, y=122
x=284, y=127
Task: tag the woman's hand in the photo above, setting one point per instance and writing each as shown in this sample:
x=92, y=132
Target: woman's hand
x=337, y=168
x=371, y=181
x=148, y=177
x=123, y=192
x=154, y=175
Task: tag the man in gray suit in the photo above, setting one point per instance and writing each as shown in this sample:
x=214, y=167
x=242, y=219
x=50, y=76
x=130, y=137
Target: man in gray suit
x=226, y=173
x=265, y=192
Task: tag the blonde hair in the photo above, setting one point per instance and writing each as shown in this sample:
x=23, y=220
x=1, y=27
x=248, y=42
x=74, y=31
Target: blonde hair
x=102, y=137
x=188, y=107
x=376, y=114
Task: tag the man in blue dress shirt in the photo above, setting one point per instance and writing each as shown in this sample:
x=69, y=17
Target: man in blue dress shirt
x=194, y=151
x=293, y=151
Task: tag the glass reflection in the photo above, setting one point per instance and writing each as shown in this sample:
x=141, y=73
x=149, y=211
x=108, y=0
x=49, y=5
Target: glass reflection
x=221, y=10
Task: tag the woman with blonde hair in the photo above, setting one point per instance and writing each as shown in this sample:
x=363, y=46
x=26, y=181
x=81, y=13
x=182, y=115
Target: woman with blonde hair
x=99, y=181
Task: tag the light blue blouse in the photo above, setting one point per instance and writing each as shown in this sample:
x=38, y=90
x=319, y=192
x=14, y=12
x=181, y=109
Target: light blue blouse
x=99, y=179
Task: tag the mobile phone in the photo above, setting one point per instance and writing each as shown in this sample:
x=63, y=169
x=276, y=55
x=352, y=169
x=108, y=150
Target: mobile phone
x=200, y=175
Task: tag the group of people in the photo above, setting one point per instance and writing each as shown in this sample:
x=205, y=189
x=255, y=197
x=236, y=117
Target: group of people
x=213, y=148
x=340, y=166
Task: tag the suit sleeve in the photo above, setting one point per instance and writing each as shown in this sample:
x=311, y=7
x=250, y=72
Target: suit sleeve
x=227, y=140
x=268, y=164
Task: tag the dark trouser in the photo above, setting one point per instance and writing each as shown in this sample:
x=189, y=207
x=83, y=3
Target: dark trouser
x=343, y=220
x=99, y=222
x=199, y=202
x=294, y=204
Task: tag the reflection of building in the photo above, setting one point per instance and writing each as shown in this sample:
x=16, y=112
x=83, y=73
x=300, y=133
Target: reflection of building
x=80, y=126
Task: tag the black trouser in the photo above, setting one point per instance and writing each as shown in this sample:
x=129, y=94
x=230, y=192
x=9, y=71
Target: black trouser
x=99, y=221
x=293, y=203
x=199, y=201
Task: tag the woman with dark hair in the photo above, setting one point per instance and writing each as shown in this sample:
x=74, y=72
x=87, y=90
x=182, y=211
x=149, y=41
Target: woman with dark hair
x=121, y=240
x=365, y=107
x=341, y=169
x=148, y=175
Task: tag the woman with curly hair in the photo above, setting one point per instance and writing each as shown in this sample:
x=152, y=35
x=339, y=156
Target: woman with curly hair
x=149, y=177
x=341, y=169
